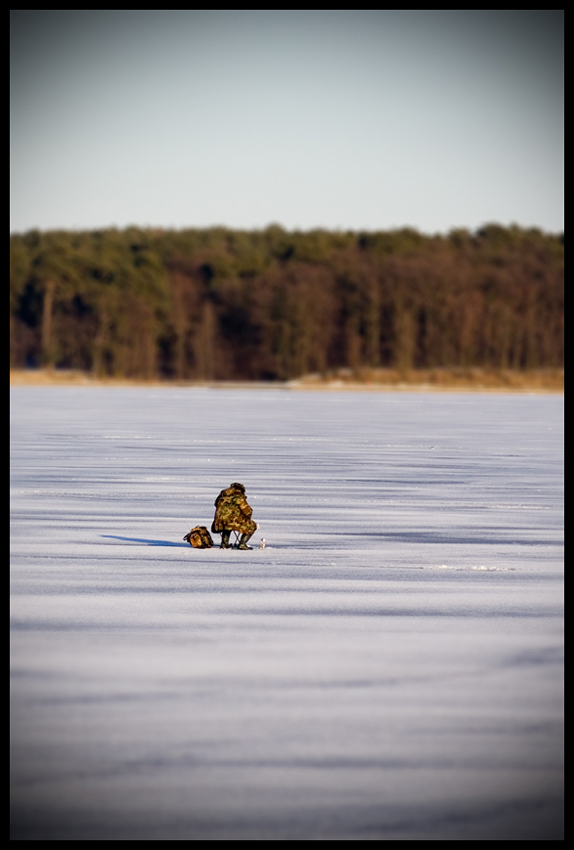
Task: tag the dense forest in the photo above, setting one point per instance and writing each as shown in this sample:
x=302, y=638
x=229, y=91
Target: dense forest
x=221, y=304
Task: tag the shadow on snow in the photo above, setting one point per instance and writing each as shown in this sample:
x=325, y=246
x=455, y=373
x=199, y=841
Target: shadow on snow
x=147, y=542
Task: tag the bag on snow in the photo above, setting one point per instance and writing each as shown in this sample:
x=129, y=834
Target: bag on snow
x=199, y=537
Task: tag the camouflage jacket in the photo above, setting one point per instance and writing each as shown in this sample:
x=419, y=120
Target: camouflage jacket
x=233, y=513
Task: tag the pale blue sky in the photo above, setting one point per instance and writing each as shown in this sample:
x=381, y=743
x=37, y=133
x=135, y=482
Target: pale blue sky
x=367, y=119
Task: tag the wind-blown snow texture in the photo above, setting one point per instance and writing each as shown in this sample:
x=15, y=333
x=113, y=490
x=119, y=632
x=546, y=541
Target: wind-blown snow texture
x=388, y=667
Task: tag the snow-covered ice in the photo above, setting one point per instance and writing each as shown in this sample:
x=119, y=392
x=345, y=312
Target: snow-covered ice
x=389, y=666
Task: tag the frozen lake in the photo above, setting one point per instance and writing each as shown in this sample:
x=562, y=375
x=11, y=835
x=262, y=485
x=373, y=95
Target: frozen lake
x=388, y=667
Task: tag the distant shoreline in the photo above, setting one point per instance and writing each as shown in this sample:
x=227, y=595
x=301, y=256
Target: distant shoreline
x=381, y=380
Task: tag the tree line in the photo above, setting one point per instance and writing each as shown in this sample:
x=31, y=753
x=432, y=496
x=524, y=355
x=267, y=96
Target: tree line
x=222, y=304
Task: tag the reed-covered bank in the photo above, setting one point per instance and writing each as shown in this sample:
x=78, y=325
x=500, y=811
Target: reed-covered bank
x=477, y=380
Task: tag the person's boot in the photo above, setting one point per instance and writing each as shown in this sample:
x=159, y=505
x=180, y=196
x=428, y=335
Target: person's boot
x=243, y=542
x=225, y=540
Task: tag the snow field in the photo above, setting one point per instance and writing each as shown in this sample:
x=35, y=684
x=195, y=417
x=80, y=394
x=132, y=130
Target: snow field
x=388, y=667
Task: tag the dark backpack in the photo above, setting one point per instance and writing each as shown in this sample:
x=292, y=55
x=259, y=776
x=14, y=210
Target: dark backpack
x=199, y=537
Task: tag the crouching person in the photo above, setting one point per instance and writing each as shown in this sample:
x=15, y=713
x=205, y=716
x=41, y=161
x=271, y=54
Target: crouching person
x=232, y=513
